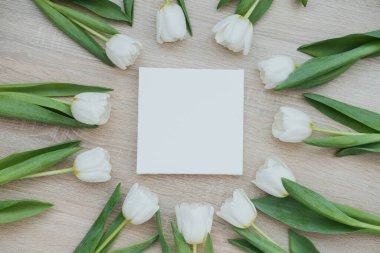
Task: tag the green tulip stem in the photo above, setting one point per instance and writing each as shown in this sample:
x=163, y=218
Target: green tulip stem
x=194, y=248
x=253, y=7
x=50, y=173
x=327, y=131
x=92, y=31
x=63, y=101
x=262, y=233
x=111, y=236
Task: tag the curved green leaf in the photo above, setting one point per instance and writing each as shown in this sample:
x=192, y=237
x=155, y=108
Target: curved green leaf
x=94, y=235
x=15, y=210
x=23, y=156
x=357, y=150
x=93, y=22
x=164, y=244
x=137, y=248
x=208, y=248
x=344, y=141
x=52, y=89
x=261, y=8
x=359, y=214
x=259, y=241
x=181, y=245
x=339, y=45
x=244, y=245
x=356, y=118
x=188, y=24
x=35, y=164
x=73, y=31
x=129, y=6
x=300, y=244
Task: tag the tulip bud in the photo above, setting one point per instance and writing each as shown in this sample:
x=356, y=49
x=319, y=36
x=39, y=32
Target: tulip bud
x=123, y=50
x=235, y=33
x=291, y=125
x=275, y=70
x=93, y=166
x=171, y=23
x=268, y=177
x=140, y=205
x=239, y=210
x=91, y=108
x=194, y=221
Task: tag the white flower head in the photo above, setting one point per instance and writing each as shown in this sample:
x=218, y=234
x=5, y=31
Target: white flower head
x=123, y=50
x=291, y=125
x=235, y=33
x=269, y=177
x=140, y=205
x=171, y=23
x=239, y=210
x=275, y=70
x=93, y=166
x=91, y=108
x=194, y=221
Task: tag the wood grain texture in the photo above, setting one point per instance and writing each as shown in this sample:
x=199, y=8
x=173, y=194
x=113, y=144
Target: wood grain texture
x=32, y=50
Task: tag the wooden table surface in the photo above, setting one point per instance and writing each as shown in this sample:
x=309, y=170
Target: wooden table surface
x=32, y=50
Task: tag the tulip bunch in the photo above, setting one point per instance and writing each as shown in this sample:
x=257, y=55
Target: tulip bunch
x=292, y=125
x=120, y=50
x=89, y=107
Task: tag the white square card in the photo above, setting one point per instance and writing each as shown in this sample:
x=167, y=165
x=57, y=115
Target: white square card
x=190, y=121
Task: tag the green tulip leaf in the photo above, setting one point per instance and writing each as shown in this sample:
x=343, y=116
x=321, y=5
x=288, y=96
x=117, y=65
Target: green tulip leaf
x=223, y=3
x=261, y=8
x=138, y=248
x=343, y=141
x=244, y=245
x=259, y=241
x=95, y=234
x=339, y=45
x=15, y=210
x=104, y=8
x=73, y=31
x=300, y=244
x=129, y=6
x=23, y=156
x=181, y=245
x=35, y=164
x=184, y=9
x=357, y=150
x=356, y=118
x=112, y=228
x=304, y=2
x=359, y=214
x=208, y=248
x=164, y=244
x=52, y=89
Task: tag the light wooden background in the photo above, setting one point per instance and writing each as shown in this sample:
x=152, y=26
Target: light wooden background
x=32, y=50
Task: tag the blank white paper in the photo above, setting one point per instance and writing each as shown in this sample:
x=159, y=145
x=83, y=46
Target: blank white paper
x=190, y=121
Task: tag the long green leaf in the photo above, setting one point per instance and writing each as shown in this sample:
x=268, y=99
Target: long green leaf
x=35, y=164
x=344, y=141
x=356, y=118
x=184, y=9
x=357, y=150
x=73, y=31
x=129, y=6
x=138, y=248
x=164, y=244
x=259, y=241
x=104, y=8
x=244, y=245
x=52, y=89
x=300, y=244
x=93, y=22
x=181, y=245
x=208, y=248
x=359, y=214
x=319, y=204
x=15, y=210
x=261, y=8
x=114, y=225
x=94, y=235
x=223, y=3
x=339, y=45
x=23, y=156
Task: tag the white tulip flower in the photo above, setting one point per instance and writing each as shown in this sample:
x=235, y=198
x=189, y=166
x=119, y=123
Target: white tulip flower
x=93, y=166
x=140, y=205
x=239, y=210
x=291, y=125
x=171, y=23
x=268, y=177
x=123, y=50
x=194, y=221
x=235, y=33
x=275, y=70
x=91, y=108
